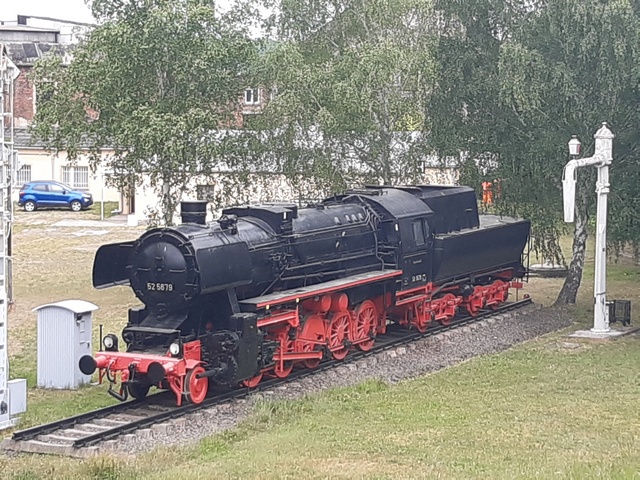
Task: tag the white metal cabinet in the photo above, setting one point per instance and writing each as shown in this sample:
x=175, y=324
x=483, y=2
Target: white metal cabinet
x=64, y=335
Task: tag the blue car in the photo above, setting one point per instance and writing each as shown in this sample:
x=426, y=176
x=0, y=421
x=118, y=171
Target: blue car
x=34, y=195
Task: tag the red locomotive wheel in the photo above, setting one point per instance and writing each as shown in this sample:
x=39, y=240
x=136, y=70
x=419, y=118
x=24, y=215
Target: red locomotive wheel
x=253, y=381
x=423, y=319
x=476, y=301
x=338, y=333
x=283, y=370
x=196, y=388
x=312, y=333
x=311, y=364
x=366, y=316
x=449, y=297
x=503, y=294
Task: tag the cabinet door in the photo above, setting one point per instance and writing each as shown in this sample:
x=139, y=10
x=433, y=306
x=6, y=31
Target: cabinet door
x=83, y=336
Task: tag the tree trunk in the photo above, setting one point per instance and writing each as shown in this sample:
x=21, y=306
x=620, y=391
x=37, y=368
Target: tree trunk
x=167, y=201
x=385, y=156
x=569, y=290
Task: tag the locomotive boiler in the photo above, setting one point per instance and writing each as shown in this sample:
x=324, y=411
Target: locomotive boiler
x=269, y=287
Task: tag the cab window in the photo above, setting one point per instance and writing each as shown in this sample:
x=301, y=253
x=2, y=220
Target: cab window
x=418, y=232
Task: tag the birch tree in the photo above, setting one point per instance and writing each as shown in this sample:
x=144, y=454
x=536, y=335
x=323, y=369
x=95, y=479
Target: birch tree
x=351, y=79
x=151, y=82
x=545, y=70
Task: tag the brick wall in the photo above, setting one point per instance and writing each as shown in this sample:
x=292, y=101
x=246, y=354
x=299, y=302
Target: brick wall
x=24, y=98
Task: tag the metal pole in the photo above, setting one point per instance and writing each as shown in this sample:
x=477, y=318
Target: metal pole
x=8, y=73
x=101, y=195
x=601, y=312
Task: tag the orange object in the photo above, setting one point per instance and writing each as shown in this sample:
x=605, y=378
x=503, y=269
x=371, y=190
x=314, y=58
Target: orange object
x=487, y=193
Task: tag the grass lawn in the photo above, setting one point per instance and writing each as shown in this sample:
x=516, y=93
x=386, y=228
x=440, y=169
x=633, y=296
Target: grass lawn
x=539, y=410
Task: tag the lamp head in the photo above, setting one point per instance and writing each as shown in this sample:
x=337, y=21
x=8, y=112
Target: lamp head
x=574, y=146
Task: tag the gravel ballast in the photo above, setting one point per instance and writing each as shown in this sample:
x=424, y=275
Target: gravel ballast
x=492, y=335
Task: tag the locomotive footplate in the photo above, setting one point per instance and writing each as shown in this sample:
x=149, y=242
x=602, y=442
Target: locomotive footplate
x=288, y=296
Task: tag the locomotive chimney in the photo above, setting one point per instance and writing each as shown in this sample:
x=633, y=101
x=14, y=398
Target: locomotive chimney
x=193, y=212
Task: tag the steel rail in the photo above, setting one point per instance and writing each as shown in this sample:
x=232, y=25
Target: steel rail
x=69, y=422
x=394, y=337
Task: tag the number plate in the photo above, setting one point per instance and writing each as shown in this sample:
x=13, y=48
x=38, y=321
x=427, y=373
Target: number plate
x=159, y=287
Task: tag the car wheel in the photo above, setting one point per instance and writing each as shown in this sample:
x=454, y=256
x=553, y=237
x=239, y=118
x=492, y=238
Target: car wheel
x=76, y=206
x=29, y=206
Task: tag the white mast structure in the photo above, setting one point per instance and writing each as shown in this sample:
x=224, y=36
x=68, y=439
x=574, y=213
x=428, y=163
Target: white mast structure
x=602, y=158
x=8, y=158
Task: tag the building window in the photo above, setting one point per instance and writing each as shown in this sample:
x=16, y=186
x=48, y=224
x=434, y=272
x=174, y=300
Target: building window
x=206, y=193
x=252, y=96
x=23, y=175
x=76, y=177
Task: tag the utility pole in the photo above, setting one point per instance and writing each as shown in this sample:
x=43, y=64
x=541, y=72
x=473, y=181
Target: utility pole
x=602, y=158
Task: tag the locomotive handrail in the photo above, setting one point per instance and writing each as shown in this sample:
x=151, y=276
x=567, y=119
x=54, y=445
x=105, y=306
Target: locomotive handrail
x=161, y=331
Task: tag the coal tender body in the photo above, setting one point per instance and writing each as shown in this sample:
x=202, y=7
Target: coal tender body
x=269, y=287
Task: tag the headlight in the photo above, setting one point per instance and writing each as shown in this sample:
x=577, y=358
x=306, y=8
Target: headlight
x=174, y=349
x=110, y=342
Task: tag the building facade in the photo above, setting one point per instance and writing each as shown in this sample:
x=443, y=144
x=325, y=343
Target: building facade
x=26, y=41
x=31, y=38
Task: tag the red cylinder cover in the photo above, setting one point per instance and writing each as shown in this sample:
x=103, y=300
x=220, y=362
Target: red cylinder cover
x=339, y=302
x=319, y=304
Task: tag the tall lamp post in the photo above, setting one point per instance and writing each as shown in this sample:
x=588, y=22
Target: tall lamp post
x=601, y=159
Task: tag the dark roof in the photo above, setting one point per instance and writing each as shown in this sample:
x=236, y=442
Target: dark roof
x=24, y=139
x=27, y=53
x=392, y=202
x=56, y=20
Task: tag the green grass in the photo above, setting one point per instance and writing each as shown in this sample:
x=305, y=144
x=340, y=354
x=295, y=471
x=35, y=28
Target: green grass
x=540, y=410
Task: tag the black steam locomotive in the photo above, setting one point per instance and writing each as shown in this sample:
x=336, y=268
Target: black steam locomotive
x=269, y=287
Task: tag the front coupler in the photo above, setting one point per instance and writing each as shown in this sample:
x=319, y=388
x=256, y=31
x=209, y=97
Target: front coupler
x=158, y=370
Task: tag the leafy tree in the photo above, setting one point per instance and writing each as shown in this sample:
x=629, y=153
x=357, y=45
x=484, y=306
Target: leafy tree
x=546, y=71
x=351, y=79
x=577, y=65
x=157, y=81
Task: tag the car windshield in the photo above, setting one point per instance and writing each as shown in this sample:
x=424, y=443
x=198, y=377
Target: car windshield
x=66, y=187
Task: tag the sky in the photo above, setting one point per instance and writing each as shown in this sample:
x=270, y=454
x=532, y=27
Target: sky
x=75, y=10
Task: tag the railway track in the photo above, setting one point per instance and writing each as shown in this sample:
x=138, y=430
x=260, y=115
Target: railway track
x=79, y=435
